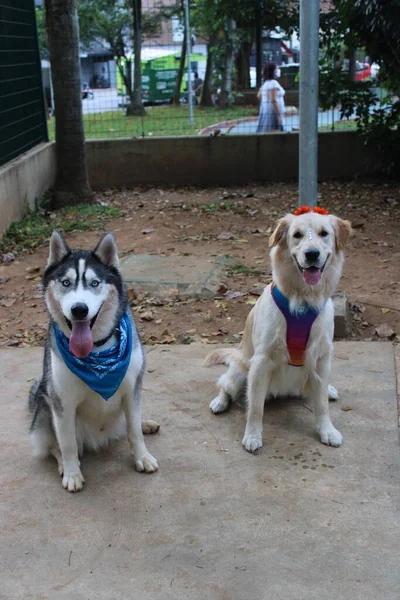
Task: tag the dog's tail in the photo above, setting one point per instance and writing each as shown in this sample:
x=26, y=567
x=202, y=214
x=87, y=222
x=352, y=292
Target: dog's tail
x=223, y=356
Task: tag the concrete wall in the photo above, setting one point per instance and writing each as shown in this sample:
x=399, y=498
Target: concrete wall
x=179, y=161
x=218, y=160
x=25, y=179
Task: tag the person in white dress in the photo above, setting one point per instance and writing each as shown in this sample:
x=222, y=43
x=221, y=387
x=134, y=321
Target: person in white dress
x=272, y=105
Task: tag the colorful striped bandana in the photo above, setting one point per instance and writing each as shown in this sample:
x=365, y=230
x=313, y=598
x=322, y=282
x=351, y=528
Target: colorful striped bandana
x=298, y=326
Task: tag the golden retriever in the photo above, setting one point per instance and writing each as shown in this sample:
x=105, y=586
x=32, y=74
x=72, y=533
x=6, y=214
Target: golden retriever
x=307, y=260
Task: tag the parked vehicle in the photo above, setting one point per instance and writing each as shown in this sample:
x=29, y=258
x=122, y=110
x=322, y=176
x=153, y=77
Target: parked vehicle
x=159, y=73
x=363, y=71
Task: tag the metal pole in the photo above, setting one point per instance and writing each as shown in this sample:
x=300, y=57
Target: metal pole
x=308, y=138
x=189, y=63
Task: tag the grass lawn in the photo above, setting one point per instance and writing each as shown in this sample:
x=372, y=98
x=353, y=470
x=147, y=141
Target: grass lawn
x=159, y=121
x=349, y=125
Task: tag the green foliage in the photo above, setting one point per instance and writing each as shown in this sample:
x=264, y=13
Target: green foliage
x=42, y=36
x=36, y=227
x=374, y=26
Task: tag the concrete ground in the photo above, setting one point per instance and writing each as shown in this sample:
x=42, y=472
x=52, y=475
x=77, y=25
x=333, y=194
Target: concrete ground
x=298, y=521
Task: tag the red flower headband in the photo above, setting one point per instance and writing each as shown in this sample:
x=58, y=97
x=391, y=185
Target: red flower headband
x=306, y=209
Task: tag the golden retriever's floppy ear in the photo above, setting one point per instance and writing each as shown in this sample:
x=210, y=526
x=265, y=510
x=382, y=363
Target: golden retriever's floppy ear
x=279, y=235
x=343, y=231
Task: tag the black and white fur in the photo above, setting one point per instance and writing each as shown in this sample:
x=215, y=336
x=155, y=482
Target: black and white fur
x=67, y=416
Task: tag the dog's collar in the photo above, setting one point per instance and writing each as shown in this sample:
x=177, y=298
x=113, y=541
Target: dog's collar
x=104, y=340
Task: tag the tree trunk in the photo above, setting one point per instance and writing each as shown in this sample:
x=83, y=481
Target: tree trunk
x=259, y=49
x=125, y=71
x=206, y=96
x=136, y=108
x=225, y=98
x=72, y=183
x=352, y=63
x=177, y=93
x=243, y=66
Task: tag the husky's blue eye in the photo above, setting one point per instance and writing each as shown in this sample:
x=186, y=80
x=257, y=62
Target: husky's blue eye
x=95, y=283
x=66, y=282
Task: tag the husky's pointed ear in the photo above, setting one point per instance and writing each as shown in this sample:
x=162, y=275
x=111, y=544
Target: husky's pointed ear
x=107, y=251
x=343, y=231
x=58, y=248
x=279, y=235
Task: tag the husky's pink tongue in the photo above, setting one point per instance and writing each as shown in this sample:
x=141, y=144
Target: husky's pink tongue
x=81, y=342
x=312, y=275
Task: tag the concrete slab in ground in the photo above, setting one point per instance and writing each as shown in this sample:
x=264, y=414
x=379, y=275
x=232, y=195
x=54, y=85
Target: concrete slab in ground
x=299, y=521
x=162, y=275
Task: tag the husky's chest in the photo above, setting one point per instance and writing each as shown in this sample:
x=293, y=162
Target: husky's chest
x=90, y=406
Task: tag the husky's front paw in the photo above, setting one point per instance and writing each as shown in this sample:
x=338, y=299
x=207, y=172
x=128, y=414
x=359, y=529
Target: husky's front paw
x=329, y=435
x=146, y=463
x=73, y=482
x=252, y=442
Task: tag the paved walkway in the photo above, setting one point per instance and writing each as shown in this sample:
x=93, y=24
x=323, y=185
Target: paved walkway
x=299, y=521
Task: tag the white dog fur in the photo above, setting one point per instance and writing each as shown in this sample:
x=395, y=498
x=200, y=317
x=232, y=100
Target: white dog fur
x=259, y=367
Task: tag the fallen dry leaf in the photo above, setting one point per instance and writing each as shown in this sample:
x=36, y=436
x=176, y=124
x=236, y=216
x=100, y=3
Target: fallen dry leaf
x=251, y=301
x=7, y=303
x=230, y=295
x=384, y=331
x=9, y=257
x=225, y=236
x=346, y=408
x=385, y=310
x=256, y=291
x=147, y=316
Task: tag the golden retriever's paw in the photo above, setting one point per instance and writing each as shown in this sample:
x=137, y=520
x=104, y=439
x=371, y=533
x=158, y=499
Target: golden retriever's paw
x=330, y=436
x=252, y=442
x=73, y=482
x=146, y=463
x=219, y=405
x=333, y=393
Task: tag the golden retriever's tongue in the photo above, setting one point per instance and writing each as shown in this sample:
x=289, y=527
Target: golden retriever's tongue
x=312, y=275
x=81, y=342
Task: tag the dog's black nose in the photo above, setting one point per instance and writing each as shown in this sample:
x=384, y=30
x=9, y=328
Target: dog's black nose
x=312, y=255
x=79, y=310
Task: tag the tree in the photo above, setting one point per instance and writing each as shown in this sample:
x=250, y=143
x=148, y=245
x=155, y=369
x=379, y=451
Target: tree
x=72, y=184
x=42, y=35
x=230, y=26
x=374, y=26
x=136, y=107
x=119, y=25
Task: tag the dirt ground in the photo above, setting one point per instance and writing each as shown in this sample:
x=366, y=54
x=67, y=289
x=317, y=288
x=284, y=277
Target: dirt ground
x=234, y=222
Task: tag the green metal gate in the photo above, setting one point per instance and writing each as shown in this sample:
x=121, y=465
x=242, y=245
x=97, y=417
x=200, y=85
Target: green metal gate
x=22, y=111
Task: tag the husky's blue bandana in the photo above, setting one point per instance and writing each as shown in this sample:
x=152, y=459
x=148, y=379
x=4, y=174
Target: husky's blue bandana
x=102, y=371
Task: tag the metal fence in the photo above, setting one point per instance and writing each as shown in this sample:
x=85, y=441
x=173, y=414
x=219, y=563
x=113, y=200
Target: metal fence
x=22, y=113
x=108, y=71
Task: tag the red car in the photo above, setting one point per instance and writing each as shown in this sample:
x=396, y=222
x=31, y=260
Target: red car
x=363, y=71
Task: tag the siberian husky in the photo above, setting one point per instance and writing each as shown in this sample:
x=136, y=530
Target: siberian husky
x=89, y=393
x=287, y=343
